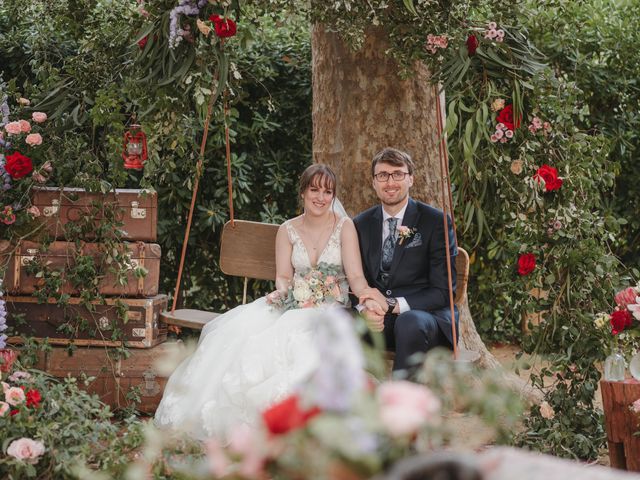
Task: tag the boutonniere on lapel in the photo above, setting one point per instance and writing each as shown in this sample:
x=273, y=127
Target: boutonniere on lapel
x=405, y=233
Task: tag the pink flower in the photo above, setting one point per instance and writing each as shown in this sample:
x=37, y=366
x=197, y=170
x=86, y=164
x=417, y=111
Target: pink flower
x=25, y=102
x=244, y=442
x=14, y=396
x=4, y=408
x=34, y=211
x=13, y=128
x=26, y=450
x=25, y=127
x=20, y=375
x=329, y=280
x=499, y=134
x=508, y=133
x=494, y=138
x=635, y=406
x=39, y=117
x=406, y=406
x=47, y=167
x=5, y=387
x=546, y=126
x=625, y=297
x=7, y=216
x=546, y=410
x=492, y=25
x=33, y=139
x=38, y=177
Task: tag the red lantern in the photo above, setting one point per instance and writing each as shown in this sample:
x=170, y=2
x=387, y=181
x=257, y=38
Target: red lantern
x=134, y=150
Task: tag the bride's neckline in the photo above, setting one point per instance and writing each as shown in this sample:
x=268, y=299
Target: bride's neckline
x=304, y=246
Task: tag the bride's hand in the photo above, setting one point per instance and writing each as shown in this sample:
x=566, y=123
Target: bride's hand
x=375, y=307
x=372, y=294
x=275, y=296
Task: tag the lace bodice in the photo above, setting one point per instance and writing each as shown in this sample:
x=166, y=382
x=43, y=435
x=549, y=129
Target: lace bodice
x=331, y=254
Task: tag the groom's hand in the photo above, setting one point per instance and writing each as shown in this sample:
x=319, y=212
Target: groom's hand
x=374, y=315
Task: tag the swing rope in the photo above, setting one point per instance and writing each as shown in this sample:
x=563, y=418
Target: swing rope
x=196, y=182
x=446, y=186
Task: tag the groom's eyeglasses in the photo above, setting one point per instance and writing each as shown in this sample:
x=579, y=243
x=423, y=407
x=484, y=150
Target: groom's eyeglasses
x=384, y=176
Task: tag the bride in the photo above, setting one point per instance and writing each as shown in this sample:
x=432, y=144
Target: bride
x=254, y=355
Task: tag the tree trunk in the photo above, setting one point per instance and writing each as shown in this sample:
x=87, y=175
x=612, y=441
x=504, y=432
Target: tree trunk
x=360, y=106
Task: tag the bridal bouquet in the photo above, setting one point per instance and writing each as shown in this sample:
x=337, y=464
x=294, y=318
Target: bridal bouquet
x=318, y=286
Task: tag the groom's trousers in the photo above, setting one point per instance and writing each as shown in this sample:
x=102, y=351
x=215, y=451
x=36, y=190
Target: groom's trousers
x=413, y=333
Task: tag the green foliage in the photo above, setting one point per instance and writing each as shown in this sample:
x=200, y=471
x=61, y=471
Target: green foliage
x=594, y=44
x=75, y=428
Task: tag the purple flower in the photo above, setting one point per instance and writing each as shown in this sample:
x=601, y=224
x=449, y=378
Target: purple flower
x=185, y=7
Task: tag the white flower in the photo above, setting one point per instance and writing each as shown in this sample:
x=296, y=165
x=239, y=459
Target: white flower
x=547, y=411
x=301, y=291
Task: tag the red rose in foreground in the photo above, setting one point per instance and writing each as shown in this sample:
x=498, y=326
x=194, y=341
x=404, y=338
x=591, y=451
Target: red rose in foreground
x=224, y=27
x=526, y=263
x=7, y=357
x=33, y=398
x=620, y=319
x=287, y=415
x=472, y=45
x=550, y=176
x=505, y=116
x=18, y=166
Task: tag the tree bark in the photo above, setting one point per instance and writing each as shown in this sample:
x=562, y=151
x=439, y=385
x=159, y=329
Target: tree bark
x=360, y=106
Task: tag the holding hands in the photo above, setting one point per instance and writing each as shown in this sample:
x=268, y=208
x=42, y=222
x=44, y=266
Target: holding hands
x=374, y=311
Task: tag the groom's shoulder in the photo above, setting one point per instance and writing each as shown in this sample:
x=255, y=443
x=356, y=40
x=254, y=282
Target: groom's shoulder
x=362, y=216
x=428, y=211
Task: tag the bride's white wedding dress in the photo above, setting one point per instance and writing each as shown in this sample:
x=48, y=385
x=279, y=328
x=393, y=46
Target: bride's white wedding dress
x=247, y=358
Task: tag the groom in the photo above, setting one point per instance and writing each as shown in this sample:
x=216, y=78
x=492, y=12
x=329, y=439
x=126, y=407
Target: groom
x=403, y=255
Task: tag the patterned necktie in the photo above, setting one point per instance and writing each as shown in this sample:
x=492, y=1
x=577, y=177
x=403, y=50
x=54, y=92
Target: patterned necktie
x=389, y=244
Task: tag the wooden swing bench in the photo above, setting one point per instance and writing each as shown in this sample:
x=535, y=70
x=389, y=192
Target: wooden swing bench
x=248, y=250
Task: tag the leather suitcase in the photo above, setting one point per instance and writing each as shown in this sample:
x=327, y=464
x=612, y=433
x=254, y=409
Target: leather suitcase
x=135, y=210
x=99, y=325
x=115, y=377
x=60, y=256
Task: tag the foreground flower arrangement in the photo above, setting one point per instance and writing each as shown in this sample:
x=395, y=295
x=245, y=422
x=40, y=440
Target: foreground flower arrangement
x=341, y=423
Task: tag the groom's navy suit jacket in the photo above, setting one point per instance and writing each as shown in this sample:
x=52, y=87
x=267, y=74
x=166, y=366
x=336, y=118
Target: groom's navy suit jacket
x=418, y=270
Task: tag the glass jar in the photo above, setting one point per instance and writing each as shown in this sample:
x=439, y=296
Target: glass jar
x=634, y=366
x=614, y=366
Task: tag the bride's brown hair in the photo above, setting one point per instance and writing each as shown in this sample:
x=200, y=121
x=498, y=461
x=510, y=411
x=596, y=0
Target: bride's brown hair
x=318, y=175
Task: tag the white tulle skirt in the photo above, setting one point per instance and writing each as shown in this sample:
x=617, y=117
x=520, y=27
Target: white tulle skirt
x=246, y=360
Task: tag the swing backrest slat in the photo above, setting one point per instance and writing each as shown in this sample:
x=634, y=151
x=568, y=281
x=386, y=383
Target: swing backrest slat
x=248, y=250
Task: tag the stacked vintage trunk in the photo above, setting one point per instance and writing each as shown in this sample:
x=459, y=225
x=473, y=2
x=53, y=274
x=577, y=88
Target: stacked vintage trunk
x=97, y=324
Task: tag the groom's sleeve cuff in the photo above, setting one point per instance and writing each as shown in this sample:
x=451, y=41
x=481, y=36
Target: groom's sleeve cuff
x=403, y=305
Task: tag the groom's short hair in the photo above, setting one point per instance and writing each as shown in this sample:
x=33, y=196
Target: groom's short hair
x=394, y=157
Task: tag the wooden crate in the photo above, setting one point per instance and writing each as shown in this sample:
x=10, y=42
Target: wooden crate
x=621, y=423
x=114, y=378
x=98, y=326
x=60, y=256
x=137, y=210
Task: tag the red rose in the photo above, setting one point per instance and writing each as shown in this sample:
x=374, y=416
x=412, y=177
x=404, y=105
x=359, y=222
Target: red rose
x=7, y=357
x=550, y=176
x=620, y=319
x=33, y=398
x=143, y=41
x=472, y=45
x=505, y=116
x=18, y=166
x=225, y=27
x=14, y=412
x=287, y=415
x=526, y=263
